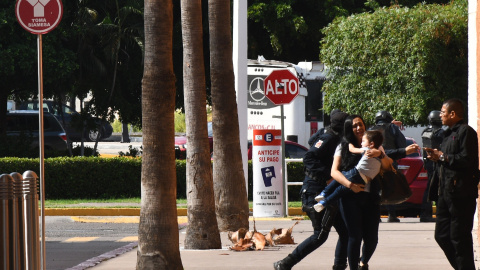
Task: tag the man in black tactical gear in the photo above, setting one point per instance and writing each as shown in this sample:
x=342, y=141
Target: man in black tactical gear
x=394, y=143
x=314, y=138
x=432, y=137
x=318, y=163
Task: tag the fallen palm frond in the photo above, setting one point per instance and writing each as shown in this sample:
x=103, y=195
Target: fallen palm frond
x=253, y=240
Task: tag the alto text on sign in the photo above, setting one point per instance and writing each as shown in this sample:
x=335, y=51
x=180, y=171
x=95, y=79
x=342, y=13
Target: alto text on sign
x=281, y=86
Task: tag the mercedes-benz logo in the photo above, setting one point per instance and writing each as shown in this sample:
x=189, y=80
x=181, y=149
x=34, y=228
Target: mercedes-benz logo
x=255, y=89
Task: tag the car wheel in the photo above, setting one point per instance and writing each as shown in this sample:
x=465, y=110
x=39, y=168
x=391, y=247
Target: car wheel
x=93, y=134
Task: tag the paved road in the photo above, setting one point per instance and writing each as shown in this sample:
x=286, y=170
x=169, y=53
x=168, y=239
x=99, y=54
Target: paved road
x=112, y=147
x=70, y=241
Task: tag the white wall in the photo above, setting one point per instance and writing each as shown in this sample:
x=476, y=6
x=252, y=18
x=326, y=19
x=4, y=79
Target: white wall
x=472, y=64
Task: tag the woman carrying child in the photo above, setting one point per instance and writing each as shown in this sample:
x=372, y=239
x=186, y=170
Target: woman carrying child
x=364, y=172
x=360, y=210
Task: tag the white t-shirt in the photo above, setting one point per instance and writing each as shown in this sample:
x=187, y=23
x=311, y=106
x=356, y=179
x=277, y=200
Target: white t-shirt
x=369, y=167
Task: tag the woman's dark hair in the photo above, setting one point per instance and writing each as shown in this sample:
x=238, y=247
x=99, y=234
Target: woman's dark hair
x=349, y=160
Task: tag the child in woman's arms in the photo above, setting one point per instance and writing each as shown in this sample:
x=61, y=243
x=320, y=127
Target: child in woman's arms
x=366, y=169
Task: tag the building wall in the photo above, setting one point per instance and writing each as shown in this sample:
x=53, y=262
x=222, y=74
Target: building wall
x=473, y=70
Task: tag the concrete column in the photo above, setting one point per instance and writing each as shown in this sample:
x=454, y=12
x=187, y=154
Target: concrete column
x=240, y=64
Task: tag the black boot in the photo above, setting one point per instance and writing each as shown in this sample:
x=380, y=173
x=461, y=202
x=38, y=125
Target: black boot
x=286, y=264
x=339, y=267
x=363, y=267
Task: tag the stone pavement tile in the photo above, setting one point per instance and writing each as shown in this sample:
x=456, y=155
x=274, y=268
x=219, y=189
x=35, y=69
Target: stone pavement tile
x=405, y=245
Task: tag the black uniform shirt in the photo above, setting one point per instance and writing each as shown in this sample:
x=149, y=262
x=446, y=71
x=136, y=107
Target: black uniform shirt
x=319, y=158
x=459, y=173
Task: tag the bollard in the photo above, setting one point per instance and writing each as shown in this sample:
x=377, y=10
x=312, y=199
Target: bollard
x=29, y=220
x=6, y=198
x=18, y=262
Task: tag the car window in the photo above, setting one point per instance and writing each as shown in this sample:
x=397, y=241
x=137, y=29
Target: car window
x=19, y=122
x=10, y=105
x=29, y=106
x=294, y=151
x=33, y=106
x=68, y=110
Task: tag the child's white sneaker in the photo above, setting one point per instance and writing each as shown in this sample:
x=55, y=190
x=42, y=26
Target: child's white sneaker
x=320, y=197
x=319, y=207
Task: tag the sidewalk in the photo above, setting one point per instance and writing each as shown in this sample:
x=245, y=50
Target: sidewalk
x=405, y=245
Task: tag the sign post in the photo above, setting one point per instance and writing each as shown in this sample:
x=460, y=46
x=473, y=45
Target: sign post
x=282, y=87
x=40, y=17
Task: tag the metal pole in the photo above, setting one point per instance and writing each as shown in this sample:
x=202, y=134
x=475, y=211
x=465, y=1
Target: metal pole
x=283, y=163
x=6, y=244
x=40, y=146
x=17, y=230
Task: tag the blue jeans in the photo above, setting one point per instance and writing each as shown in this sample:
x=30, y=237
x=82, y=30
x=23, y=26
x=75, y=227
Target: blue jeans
x=334, y=191
x=361, y=213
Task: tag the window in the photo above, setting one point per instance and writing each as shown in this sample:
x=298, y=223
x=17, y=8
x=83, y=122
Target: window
x=314, y=101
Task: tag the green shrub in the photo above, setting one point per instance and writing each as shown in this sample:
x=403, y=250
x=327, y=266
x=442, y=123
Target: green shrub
x=87, y=151
x=117, y=127
x=180, y=125
x=106, y=178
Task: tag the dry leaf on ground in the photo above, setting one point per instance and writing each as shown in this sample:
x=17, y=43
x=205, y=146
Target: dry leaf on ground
x=253, y=240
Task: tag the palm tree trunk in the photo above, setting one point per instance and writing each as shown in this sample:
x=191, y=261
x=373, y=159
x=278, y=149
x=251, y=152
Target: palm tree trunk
x=229, y=181
x=158, y=235
x=202, y=230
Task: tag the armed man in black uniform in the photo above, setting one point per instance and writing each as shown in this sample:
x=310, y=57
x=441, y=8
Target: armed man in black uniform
x=432, y=137
x=314, y=138
x=318, y=163
x=394, y=143
x=454, y=186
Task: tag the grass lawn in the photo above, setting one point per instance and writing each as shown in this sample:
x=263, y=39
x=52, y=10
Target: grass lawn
x=118, y=203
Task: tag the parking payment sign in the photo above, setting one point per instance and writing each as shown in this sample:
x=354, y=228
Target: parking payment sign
x=267, y=173
x=39, y=16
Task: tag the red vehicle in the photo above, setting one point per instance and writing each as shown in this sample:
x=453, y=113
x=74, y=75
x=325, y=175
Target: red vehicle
x=292, y=149
x=181, y=143
x=412, y=168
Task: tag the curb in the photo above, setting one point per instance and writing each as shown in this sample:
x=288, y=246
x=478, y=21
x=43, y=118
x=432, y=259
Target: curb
x=293, y=211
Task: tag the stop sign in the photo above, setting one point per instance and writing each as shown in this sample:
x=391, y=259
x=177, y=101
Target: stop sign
x=39, y=16
x=281, y=86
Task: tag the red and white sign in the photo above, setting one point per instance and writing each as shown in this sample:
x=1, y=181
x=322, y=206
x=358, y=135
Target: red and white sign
x=267, y=173
x=39, y=16
x=281, y=86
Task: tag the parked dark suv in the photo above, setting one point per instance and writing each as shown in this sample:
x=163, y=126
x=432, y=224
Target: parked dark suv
x=26, y=123
x=68, y=114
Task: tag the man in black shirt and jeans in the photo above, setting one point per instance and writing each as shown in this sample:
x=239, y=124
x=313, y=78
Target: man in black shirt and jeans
x=454, y=186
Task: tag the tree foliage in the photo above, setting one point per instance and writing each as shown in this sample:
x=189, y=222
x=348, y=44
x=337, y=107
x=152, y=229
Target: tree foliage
x=18, y=58
x=110, y=55
x=404, y=60
x=290, y=30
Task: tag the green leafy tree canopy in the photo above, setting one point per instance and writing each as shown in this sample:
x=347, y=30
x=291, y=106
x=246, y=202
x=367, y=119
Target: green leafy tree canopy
x=403, y=60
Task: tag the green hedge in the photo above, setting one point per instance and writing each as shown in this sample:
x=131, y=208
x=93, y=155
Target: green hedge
x=93, y=177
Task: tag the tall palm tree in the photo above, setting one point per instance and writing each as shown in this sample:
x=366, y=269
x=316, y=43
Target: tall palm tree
x=202, y=230
x=228, y=177
x=158, y=246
